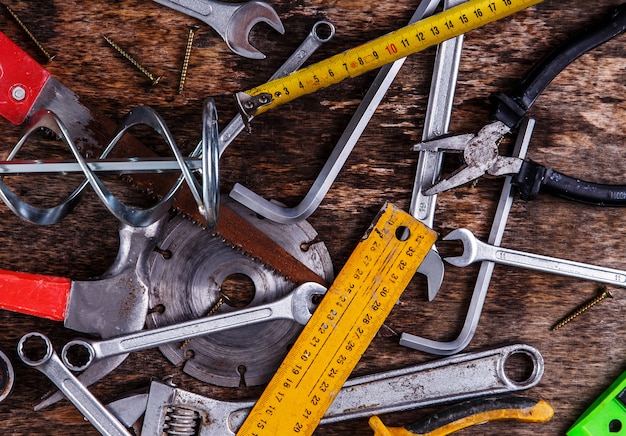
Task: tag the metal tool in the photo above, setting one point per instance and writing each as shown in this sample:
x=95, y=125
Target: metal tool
x=480, y=151
x=50, y=365
x=91, y=131
x=475, y=250
x=232, y=21
x=79, y=354
x=486, y=268
x=198, y=269
x=322, y=32
x=116, y=303
x=7, y=376
x=376, y=53
x=478, y=374
x=468, y=413
x=432, y=267
x=343, y=325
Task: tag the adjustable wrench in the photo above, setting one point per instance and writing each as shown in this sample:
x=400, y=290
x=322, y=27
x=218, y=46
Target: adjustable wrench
x=475, y=375
x=475, y=250
x=51, y=366
x=232, y=21
x=296, y=306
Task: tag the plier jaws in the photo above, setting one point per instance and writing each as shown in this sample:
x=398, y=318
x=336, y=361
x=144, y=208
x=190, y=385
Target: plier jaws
x=480, y=153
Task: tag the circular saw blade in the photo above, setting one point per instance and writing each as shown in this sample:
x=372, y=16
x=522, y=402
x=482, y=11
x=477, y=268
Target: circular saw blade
x=191, y=272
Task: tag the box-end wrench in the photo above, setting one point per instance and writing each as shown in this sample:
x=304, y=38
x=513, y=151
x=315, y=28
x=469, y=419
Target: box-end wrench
x=475, y=250
x=322, y=32
x=232, y=21
x=486, y=268
x=476, y=374
x=297, y=306
x=29, y=349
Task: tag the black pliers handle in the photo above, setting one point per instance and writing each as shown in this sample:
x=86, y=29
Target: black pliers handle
x=481, y=150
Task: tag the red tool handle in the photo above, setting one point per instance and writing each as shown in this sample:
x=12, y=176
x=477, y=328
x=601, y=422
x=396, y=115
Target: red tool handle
x=34, y=294
x=21, y=81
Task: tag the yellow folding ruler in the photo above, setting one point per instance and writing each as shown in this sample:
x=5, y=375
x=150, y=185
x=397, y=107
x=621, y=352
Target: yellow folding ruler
x=342, y=326
x=378, y=52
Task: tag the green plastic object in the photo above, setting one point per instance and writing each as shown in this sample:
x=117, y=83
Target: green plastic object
x=607, y=415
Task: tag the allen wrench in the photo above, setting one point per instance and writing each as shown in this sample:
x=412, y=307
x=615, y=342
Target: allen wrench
x=486, y=268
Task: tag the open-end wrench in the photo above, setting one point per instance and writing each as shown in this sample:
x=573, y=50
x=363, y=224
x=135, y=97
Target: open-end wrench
x=476, y=374
x=475, y=250
x=322, y=32
x=432, y=267
x=297, y=306
x=50, y=365
x=232, y=21
x=486, y=268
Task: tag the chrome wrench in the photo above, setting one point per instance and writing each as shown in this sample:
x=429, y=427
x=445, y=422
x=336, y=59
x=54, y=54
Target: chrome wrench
x=232, y=21
x=475, y=374
x=432, y=267
x=436, y=123
x=53, y=368
x=475, y=250
x=486, y=268
x=296, y=306
x=322, y=32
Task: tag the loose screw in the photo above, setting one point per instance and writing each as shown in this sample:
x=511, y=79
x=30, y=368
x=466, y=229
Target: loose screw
x=183, y=73
x=29, y=33
x=220, y=301
x=605, y=294
x=154, y=79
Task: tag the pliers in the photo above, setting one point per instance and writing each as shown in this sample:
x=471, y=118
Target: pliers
x=480, y=151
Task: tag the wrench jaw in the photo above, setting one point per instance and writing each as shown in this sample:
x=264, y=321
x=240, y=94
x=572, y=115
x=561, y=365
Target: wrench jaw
x=302, y=305
x=470, y=248
x=241, y=23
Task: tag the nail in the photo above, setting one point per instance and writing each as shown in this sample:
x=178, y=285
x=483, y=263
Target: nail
x=183, y=73
x=29, y=33
x=154, y=79
x=605, y=294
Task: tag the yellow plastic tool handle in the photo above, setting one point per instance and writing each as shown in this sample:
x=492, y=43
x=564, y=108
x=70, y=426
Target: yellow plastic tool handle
x=540, y=412
x=378, y=52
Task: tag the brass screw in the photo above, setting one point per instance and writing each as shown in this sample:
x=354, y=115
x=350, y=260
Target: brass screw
x=605, y=294
x=183, y=73
x=154, y=79
x=29, y=33
x=220, y=301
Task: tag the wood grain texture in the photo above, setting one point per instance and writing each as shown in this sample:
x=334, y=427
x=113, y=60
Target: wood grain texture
x=579, y=132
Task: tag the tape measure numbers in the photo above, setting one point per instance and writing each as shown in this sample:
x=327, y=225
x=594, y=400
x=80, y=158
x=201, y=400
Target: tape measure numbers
x=378, y=52
x=342, y=326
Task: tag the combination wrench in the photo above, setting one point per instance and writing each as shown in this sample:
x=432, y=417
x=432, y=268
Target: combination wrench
x=52, y=367
x=232, y=21
x=475, y=250
x=298, y=306
x=475, y=374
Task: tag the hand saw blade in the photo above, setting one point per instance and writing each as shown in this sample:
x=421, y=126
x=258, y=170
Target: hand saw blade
x=92, y=132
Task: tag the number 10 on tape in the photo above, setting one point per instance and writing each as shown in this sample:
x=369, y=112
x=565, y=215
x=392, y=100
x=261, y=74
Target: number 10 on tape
x=342, y=327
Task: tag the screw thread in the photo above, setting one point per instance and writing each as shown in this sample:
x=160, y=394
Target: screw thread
x=29, y=33
x=582, y=309
x=154, y=79
x=183, y=73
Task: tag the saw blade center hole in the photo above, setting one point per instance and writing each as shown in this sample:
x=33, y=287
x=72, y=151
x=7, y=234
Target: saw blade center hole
x=238, y=290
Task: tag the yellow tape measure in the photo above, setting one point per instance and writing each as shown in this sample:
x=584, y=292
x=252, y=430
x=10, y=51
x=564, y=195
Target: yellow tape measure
x=343, y=325
x=374, y=54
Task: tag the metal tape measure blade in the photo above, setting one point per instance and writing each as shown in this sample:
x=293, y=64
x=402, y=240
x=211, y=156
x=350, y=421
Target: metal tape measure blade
x=342, y=327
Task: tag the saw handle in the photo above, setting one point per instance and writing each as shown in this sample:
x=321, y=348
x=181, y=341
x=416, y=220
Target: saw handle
x=21, y=81
x=511, y=108
x=34, y=294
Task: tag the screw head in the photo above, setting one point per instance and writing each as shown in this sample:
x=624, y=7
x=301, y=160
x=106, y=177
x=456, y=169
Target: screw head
x=18, y=93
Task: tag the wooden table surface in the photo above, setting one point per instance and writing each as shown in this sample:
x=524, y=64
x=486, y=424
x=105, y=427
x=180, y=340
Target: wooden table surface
x=578, y=132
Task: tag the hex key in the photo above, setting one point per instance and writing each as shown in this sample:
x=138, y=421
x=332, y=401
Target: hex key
x=339, y=155
x=486, y=267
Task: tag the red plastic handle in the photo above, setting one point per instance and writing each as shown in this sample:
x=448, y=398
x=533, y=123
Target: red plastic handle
x=21, y=81
x=34, y=294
